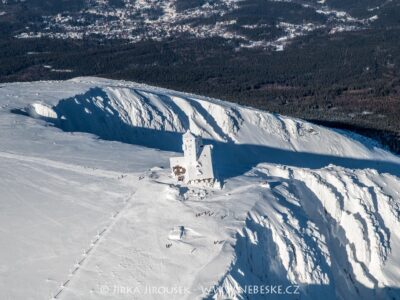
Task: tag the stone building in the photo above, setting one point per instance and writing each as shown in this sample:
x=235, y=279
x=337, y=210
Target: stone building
x=195, y=167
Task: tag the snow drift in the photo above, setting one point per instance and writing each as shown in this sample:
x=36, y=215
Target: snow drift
x=243, y=137
x=302, y=205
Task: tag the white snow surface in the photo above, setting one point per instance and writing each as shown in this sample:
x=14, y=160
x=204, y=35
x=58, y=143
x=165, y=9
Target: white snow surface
x=88, y=209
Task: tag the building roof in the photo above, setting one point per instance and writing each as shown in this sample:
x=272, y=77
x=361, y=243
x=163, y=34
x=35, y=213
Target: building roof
x=188, y=134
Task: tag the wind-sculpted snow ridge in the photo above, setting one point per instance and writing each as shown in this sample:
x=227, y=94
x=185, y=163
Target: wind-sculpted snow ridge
x=108, y=109
x=331, y=231
x=242, y=137
x=121, y=114
x=305, y=212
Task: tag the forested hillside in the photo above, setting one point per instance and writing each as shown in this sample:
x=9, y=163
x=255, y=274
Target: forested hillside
x=346, y=79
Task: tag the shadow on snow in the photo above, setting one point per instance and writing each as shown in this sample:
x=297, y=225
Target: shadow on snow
x=230, y=159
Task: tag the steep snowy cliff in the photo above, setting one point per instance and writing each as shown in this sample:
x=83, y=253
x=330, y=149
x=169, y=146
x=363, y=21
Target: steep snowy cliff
x=90, y=211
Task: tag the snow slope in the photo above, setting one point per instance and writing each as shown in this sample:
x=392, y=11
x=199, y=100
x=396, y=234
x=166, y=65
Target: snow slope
x=88, y=209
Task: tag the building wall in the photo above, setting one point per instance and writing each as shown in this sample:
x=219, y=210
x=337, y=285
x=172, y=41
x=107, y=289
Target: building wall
x=205, y=160
x=196, y=164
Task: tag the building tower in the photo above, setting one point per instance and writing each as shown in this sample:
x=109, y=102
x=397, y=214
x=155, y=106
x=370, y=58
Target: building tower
x=196, y=164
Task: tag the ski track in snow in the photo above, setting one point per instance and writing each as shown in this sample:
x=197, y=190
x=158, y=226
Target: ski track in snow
x=60, y=165
x=92, y=248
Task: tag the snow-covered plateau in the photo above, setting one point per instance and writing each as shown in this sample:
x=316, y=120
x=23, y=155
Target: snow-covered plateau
x=89, y=209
